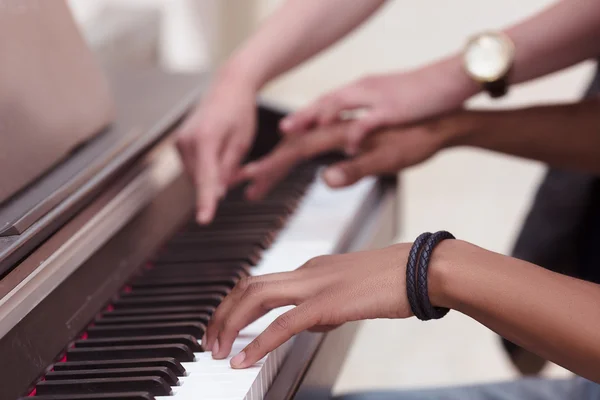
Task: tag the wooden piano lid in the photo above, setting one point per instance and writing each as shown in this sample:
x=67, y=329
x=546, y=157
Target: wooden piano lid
x=149, y=103
x=53, y=95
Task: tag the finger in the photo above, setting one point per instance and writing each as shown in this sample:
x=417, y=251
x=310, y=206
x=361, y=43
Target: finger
x=346, y=173
x=280, y=331
x=301, y=120
x=260, y=188
x=207, y=179
x=234, y=152
x=187, y=151
x=361, y=127
x=331, y=107
x=270, y=170
x=253, y=304
x=224, y=309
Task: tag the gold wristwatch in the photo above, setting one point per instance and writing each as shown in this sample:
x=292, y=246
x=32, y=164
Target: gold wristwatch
x=488, y=58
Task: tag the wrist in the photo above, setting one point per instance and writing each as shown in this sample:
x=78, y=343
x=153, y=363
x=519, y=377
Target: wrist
x=449, y=265
x=455, y=128
x=457, y=86
x=240, y=73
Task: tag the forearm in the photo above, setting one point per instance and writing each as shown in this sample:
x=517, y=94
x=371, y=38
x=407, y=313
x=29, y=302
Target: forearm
x=550, y=314
x=294, y=33
x=560, y=36
x=566, y=136
x=557, y=37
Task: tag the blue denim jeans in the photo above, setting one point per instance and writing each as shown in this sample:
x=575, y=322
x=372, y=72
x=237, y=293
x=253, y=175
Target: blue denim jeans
x=523, y=389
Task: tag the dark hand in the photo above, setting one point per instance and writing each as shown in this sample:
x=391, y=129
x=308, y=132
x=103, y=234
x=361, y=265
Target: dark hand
x=327, y=291
x=385, y=152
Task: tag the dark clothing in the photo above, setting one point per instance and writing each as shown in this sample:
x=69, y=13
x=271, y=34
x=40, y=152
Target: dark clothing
x=562, y=230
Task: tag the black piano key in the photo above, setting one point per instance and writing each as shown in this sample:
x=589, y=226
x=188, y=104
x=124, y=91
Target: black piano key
x=151, y=384
x=203, y=270
x=266, y=206
x=254, y=234
x=96, y=396
x=172, y=364
x=184, y=279
x=249, y=254
x=195, y=329
x=210, y=277
x=127, y=312
x=187, y=340
x=238, y=220
x=228, y=231
x=239, y=269
x=179, y=352
x=169, y=301
x=231, y=208
x=249, y=219
x=108, y=319
x=271, y=224
x=212, y=250
x=222, y=290
x=207, y=240
x=161, y=372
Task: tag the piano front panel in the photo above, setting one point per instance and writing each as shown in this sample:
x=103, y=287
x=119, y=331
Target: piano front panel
x=40, y=338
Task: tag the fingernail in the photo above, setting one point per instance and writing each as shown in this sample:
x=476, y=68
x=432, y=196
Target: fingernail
x=335, y=176
x=204, y=341
x=203, y=216
x=215, y=349
x=286, y=124
x=237, y=361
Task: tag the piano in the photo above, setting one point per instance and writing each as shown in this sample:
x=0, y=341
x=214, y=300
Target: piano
x=106, y=281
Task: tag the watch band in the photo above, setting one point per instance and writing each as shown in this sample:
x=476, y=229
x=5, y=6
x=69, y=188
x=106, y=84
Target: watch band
x=496, y=88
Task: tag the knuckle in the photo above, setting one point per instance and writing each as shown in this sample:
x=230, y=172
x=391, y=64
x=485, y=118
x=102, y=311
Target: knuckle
x=243, y=284
x=255, y=345
x=255, y=288
x=229, y=326
x=282, y=323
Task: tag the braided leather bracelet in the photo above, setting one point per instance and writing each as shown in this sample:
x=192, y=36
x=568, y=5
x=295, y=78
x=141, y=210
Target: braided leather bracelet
x=429, y=310
x=411, y=275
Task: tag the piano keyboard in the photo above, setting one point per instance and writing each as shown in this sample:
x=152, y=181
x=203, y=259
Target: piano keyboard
x=146, y=344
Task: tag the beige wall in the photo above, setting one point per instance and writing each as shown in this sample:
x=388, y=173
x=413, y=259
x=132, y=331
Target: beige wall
x=404, y=34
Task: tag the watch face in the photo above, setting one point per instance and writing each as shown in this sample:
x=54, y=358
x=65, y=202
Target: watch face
x=488, y=56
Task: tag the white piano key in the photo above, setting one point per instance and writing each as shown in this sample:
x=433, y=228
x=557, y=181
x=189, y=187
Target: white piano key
x=316, y=228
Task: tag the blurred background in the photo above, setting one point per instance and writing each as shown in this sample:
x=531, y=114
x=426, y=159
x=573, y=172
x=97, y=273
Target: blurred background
x=479, y=196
